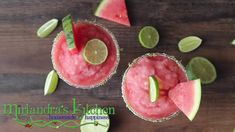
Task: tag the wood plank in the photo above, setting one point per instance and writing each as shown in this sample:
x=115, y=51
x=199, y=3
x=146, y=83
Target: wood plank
x=25, y=59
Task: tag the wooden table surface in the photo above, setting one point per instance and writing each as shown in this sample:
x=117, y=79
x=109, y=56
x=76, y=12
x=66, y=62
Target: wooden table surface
x=25, y=58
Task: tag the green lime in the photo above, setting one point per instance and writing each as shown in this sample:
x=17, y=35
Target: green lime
x=95, y=52
x=153, y=88
x=233, y=42
x=68, y=31
x=51, y=83
x=47, y=28
x=95, y=120
x=200, y=67
x=148, y=37
x=189, y=44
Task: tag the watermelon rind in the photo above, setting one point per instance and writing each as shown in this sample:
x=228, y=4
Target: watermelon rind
x=100, y=7
x=193, y=91
x=191, y=76
x=197, y=98
x=173, y=115
x=78, y=85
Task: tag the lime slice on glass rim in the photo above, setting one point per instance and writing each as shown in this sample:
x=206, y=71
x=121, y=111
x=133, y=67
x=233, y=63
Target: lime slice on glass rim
x=95, y=120
x=200, y=67
x=148, y=37
x=69, y=33
x=51, y=82
x=153, y=88
x=47, y=28
x=95, y=52
x=189, y=44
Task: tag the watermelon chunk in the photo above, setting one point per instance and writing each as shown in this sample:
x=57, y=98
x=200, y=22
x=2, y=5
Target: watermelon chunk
x=71, y=37
x=187, y=97
x=113, y=10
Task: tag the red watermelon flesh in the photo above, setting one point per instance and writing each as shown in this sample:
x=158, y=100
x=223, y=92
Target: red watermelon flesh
x=113, y=10
x=187, y=97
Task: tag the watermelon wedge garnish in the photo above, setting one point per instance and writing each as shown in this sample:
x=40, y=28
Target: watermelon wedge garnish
x=113, y=10
x=69, y=32
x=187, y=97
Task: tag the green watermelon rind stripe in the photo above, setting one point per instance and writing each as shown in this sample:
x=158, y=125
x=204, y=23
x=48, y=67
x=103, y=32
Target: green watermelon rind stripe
x=68, y=30
x=197, y=99
x=101, y=7
x=189, y=72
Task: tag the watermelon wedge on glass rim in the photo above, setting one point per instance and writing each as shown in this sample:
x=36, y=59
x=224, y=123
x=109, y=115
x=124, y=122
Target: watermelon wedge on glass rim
x=74, y=68
x=113, y=10
x=187, y=97
x=176, y=93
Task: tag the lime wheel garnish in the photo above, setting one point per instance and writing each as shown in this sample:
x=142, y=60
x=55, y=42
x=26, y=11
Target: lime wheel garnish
x=95, y=52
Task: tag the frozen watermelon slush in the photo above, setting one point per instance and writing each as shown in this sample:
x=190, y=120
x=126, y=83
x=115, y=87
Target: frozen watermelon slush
x=72, y=67
x=135, y=86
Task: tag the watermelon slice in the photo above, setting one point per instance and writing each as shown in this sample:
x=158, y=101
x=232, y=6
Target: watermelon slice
x=187, y=97
x=113, y=10
x=69, y=32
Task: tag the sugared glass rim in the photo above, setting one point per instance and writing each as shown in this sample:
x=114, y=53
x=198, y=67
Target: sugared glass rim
x=124, y=78
x=108, y=77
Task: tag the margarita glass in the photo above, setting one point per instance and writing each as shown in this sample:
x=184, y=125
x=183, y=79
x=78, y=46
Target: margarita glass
x=72, y=68
x=135, y=86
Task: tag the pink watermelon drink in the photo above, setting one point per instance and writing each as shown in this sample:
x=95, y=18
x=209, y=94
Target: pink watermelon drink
x=72, y=67
x=135, y=86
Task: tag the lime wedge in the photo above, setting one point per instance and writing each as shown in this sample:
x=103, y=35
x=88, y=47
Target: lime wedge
x=69, y=32
x=148, y=37
x=153, y=88
x=233, y=42
x=47, y=28
x=95, y=52
x=95, y=120
x=189, y=44
x=51, y=83
x=200, y=67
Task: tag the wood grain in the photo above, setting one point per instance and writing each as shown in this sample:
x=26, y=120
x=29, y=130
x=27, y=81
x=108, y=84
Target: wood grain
x=25, y=59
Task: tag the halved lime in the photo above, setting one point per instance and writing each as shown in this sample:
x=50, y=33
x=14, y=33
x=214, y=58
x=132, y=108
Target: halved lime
x=153, y=88
x=95, y=52
x=200, y=67
x=47, y=28
x=51, y=83
x=148, y=37
x=68, y=31
x=95, y=120
x=189, y=44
